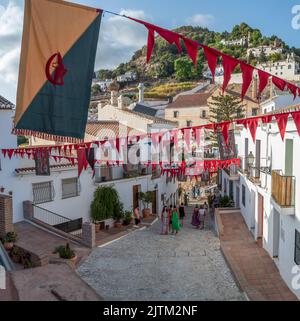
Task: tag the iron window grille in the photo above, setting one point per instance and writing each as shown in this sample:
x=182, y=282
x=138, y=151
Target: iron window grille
x=43, y=192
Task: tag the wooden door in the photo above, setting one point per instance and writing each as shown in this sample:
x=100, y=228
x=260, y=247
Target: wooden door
x=260, y=231
x=154, y=202
x=135, y=196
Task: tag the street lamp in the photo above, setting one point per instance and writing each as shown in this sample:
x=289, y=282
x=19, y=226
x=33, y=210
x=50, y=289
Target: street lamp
x=250, y=159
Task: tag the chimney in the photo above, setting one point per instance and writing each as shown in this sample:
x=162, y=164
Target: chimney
x=121, y=102
x=141, y=88
x=254, y=87
x=100, y=106
x=114, y=98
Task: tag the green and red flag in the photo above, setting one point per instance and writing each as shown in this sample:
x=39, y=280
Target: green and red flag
x=57, y=64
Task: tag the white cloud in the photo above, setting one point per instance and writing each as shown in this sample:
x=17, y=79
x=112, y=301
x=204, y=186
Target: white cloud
x=119, y=38
x=201, y=20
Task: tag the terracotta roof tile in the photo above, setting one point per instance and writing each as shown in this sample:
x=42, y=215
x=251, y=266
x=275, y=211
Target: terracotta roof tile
x=25, y=170
x=109, y=129
x=193, y=100
x=5, y=104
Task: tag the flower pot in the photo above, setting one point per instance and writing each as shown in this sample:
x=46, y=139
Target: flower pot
x=117, y=224
x=97, y=227
x=73, y=260
x=8, y=246
x=146, y=212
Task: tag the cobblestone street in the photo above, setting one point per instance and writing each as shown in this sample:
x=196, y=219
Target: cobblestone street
x=147, y=266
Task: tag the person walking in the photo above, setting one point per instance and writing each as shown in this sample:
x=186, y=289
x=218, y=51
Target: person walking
x=165, y=221
x=181, y=213
x=170, y=212
x=175, y=221
x=202, y=216
x=137, y=216
x=195, y=218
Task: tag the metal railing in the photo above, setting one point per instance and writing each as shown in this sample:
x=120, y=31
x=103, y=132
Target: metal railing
x=283, y=189
x=59, y=222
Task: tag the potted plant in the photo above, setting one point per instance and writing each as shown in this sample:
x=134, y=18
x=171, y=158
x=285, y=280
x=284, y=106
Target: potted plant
x=118, y=214
x=15, y=254
x=226, y=201
x=147, y=199
x=9, y=240
x=127, y=218
x=103, y=205
x=65, y=252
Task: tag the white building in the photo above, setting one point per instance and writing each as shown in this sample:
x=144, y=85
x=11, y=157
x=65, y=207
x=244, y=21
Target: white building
x=62, y=192
x=236, y=42
x=128, y=76
x=288, y=69
x=267, y=50
x=266, y=189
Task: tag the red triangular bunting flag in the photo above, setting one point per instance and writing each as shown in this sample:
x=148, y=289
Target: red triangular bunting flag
x=279, y=83
x=225, y=129
x=192, y=49
x=296, y=117
x=150, y=43
x=171, y=37
x=10, y=153
x=252, y=125
x=242, y=122
x=212, y=59
x=293, y=89
x=266, y=119
x=81, y=156
x=282, y=120
x=247, y=71
x=229, y=64
x=263, y=81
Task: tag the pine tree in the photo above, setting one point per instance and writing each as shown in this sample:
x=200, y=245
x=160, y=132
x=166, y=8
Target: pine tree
x=225, y=108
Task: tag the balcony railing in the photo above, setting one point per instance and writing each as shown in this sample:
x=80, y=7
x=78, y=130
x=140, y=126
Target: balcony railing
x=283, y=189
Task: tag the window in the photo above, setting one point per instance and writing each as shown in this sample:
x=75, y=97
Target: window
x=189, y=123
x=42, y=192
x=254, y=111
x=203, y=114
x=289, y=66
x=70, y=187
x=297, y=248
x=176, y=114
x=225, y=187
x=244, y=195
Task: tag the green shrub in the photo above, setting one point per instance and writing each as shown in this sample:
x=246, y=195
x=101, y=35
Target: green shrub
x=65, y=252
x=104, y=204
x=10, y=237
x=127, y=217
x=226, y=201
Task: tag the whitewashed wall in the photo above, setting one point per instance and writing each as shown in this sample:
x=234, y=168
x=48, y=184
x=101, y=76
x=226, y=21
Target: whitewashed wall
x=272, y=144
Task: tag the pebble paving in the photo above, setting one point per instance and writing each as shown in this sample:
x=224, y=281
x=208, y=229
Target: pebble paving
x=146, y=266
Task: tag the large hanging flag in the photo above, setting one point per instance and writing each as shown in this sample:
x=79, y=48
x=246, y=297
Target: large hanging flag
x=56, y=69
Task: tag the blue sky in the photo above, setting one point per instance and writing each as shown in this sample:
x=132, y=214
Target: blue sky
x=271, y=16
x=120, y=38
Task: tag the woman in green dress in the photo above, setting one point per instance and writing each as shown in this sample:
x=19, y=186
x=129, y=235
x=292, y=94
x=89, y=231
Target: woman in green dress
x=175, y=221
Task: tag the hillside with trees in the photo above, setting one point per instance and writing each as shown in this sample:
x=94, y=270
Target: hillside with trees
x=167, y=63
